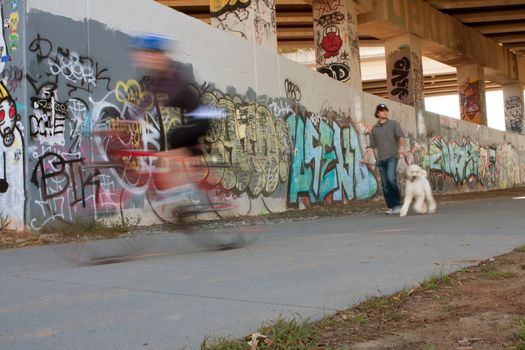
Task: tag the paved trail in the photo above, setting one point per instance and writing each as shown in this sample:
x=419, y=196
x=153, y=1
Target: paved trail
x=172, y=301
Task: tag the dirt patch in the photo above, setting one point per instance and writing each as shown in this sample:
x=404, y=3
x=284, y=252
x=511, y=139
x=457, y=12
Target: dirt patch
x=481, y=307
x=93, y=230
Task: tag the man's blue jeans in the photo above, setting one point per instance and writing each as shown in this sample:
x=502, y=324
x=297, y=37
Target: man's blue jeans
x=388, y=172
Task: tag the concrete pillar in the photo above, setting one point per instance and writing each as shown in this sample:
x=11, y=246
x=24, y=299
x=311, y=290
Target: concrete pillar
x=513, y=102
x=471, y=89
x=249, y=19
x=404, y=70
x=336, y=41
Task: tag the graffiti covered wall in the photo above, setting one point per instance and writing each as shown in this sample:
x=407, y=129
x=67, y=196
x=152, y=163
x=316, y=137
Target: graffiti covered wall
x=290, y=135
x=12, y=148
x=248, y=19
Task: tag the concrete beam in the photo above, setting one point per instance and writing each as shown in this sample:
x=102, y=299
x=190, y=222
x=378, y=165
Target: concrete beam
x=445, y=39
x=363, y=6
x=500, y=28
x=454, y=4
x=492, y=16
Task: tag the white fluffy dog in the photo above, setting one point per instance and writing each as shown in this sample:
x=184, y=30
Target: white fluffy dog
x=417, y=187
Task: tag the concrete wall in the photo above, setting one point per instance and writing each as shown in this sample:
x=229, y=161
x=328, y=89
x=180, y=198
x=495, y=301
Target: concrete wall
x=13, y=106
x=291, y=134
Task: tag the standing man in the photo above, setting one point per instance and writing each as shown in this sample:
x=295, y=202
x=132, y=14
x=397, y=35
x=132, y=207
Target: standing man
x=387, y=138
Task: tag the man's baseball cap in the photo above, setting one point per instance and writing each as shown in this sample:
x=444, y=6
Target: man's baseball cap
x=381, y=107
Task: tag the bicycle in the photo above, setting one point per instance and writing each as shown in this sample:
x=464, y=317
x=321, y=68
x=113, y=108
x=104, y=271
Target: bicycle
x=178, y=193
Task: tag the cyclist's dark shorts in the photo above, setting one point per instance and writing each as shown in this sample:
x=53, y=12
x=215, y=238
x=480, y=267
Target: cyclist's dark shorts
x=188, y=134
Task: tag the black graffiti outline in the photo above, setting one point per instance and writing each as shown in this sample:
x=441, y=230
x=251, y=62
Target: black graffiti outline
x=67, y=172
x=43, y=48
x=400, y=78
x=338, y=71
x=330, y=19
x=292, y=90
x=36, y=46
x=4, y=184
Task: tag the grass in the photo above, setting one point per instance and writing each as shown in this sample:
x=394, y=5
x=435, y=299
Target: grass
x=281, y=334
x=86, y=227
x=4, y=221
x=444, y=301
x=374, y=314
x=435, y=280
x=520, y=333
x=521, y=249
x=491, y=272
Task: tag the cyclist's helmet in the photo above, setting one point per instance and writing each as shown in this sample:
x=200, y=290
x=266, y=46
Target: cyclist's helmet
x=152, y=42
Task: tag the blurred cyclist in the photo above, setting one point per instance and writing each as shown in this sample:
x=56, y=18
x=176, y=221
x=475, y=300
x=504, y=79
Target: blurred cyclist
x=172, y=86
x=150, y=53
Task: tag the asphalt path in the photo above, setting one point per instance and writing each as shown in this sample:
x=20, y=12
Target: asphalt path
x=177, y=293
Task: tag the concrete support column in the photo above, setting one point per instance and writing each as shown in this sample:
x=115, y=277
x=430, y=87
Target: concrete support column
x=404, y=70
x=513, y=102
x=250, y=19
x=405, y=80
x=336, y=41
x=471, y=89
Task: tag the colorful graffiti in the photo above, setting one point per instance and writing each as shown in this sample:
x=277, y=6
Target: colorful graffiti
x=329, y=28
x=252, y=140
x=12, y=176
x=78, y=109
x=325, y=164
x=514, y=114
x=470, y=92
x=463, y=164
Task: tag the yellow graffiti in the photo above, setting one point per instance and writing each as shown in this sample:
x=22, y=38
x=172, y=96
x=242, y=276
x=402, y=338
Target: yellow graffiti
x=218, y=7
x=14, y=20
x=3, y=92
x=252, y=141
x=171, y=117
x=131, y=92
x=127, y=127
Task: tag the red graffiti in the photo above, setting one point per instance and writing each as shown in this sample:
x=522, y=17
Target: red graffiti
x=331, y=44
x=469, y=95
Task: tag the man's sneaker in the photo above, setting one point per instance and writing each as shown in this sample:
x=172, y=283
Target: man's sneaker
x=393, y=211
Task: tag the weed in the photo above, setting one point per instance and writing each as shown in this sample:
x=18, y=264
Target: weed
x=393, y=316
x=377, y=303
x=442, y=299
x=294, y=333
x=360, y=318
x=224, y=344
x=521, y=249
x=521, y=330
x=4, y=221
x=435, y=280
x=429, y=347
x=490, y=272
x=520, y=334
